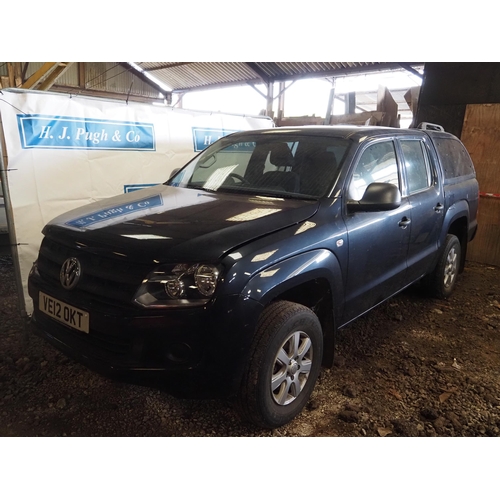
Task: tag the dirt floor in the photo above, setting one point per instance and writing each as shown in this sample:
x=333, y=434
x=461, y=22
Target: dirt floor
x=413, y=367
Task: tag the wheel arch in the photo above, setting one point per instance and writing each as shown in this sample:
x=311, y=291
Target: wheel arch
x=312, y=279
x=458, y=225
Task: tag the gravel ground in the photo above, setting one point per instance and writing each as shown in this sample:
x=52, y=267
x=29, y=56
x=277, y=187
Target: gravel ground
x=413, y=367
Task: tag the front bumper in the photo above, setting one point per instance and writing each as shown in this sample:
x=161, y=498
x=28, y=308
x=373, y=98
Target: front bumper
x=191, y=352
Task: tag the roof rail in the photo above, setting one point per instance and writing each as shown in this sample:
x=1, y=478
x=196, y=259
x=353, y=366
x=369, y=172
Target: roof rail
x=430, y=126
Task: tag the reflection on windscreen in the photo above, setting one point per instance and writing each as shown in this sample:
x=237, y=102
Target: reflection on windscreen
x=286, y=166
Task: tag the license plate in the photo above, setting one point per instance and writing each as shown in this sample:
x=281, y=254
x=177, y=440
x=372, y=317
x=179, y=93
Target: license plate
x=64, y=313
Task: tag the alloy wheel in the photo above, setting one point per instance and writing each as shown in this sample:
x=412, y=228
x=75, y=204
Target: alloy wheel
x=451, y=267
x=292, y=366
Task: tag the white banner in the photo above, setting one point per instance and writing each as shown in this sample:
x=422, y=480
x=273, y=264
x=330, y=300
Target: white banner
x=66, y=151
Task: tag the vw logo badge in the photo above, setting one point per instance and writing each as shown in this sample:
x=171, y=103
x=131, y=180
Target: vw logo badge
x=71, y=271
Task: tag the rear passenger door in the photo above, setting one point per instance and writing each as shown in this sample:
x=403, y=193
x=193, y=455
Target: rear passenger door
x=426, y=199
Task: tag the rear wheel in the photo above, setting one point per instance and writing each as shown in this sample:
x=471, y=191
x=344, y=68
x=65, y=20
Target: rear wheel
x=441, y=282
x=284, y=365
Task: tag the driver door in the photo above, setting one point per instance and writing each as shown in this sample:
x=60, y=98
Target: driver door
x=378, y=241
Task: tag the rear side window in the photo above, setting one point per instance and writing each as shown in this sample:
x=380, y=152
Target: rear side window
x=416, y=165
x=454, y=158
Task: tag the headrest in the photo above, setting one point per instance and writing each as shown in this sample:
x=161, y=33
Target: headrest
x=281, y=156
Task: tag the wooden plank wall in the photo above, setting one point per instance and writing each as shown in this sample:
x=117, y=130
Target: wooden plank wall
x=448, y=88
x=14, y=78
x=481, y=137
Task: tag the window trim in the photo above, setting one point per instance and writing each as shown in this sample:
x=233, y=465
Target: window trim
x=428, y=167
x=359, y=154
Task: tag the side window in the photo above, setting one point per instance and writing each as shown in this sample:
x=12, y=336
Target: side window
x=454, y=158
x=417, y=167
x=377, y=164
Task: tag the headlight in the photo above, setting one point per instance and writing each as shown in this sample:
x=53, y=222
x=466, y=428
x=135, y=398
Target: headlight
x=182, y=285
x=205, y=278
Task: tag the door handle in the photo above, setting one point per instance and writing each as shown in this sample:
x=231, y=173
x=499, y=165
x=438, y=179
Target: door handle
x=438, y=207
x=404, y=222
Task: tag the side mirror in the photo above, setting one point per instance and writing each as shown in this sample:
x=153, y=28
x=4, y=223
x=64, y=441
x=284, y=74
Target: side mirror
x=378, y=197
x=207, y=161
x=174, y=171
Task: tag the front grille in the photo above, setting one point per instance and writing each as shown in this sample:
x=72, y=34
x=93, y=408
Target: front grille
x=105, y=278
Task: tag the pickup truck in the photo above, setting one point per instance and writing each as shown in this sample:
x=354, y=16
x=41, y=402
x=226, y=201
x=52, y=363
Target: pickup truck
x=232, y=277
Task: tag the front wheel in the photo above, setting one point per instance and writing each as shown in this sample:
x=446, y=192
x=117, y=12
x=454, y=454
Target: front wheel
x=284, y=364
x=441, y=282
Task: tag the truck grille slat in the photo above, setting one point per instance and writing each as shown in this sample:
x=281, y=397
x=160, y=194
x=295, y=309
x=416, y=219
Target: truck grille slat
x=104, y=278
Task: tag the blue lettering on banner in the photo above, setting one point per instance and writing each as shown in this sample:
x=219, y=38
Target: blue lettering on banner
x=203, y=137
x=119, y=210
x=130, y=188
x=246, y=147
x=66, y=132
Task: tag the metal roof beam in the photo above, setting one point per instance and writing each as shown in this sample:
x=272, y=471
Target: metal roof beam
x=257, y=90
x=410, y=69
x=256, y=69
x=331, y=99
x=167, y=95
x=212, y=86
x=106, y=94
x=167, y=66
x=346, y=72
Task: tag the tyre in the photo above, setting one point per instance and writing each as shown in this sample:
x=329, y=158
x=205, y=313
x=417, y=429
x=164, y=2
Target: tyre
x=285, y=361
x=441, y=282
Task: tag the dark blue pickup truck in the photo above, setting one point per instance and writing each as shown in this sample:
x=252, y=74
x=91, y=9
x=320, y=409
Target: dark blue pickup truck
x=231, y=279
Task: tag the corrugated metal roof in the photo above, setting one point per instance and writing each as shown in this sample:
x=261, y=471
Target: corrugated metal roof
x=186, y=76
x=100, y=76
x=196, y=75
x=125, y=78
x=112, y=77
x=279, y=70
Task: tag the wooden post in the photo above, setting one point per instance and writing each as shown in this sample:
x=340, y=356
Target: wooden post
x=18, y=74
x=38, y=75
x=81, y=75
x=54, y=75
x=10, y=70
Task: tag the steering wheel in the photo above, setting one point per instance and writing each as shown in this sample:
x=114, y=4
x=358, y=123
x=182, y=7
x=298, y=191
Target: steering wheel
x=244, y=181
